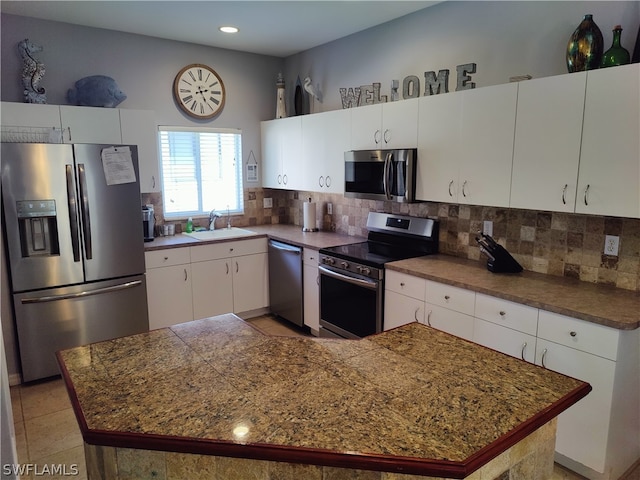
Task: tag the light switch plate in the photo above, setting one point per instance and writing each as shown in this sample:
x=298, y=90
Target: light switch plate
x=487, y=227
x=267, y=202
x=611, y=245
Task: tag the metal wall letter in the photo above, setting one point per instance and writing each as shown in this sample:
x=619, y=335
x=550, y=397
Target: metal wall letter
x=411, y=87
x=366, y=95
x=433, y=85
x=394, y=90
x=350, y=98
x=464, y=80
x=376, y=94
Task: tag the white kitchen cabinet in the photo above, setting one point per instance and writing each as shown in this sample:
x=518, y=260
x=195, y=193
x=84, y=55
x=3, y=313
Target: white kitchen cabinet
x=609, y=174
x=281, y=153
x=439, y=147
x=229, y=277
x=486, y=149
x=139, y=128
x=325, y=138
x=16, y=114
x=547, y=142
x=403, y=299
x=597, y=437
x=168, y=287
x=505, y=340
x=450, y=321
x=311, y=290
x=385, y=125
x=91, y=124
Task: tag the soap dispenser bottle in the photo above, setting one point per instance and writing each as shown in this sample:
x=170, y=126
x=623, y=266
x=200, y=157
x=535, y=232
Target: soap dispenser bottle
x=189, y=225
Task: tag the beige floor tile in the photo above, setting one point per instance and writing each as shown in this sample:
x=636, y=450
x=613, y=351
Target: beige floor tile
x=44, y=398
x=16, y=404
x=69, y=461
x=52, y=433
x=21, y=442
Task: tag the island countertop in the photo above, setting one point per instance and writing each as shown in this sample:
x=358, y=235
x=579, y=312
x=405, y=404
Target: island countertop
x=412, y=400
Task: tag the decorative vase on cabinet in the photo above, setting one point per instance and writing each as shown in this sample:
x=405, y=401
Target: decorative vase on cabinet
x=584, y=51
x=617, y=54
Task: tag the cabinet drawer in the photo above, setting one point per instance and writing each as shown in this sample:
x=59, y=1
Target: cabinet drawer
x=509, y=314
x=453, y=298
x=408, y=285
x=505, y=340
x=168, y=257
x=579, y=334
x=449, y=321
x=236, y=248
x=310, y=257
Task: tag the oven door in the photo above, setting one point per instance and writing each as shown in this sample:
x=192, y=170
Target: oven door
x=350, y=305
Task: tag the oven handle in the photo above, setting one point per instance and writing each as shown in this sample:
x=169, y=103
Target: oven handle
x=370, y=284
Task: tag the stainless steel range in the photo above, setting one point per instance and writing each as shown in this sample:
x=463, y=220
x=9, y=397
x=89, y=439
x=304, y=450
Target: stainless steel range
x=352, y=276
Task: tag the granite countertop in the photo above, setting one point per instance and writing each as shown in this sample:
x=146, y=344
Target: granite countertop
x=286, y=233
x=609, y=306
x=411, y=400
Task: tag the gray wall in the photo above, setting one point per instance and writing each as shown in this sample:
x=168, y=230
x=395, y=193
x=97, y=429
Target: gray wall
x=503, y=38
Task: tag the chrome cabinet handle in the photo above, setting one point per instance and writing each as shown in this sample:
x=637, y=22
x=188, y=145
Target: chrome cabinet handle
x=450, y=185
x=285, y=180
x=227, y=265
x=502, y=313
x=464, y=193
x=386, y=137
x=279, y=179
x=185, y=275
x=153, y=181
x=544, y=354
x=321, y=181
x=237, y=268
x=429, y=318
x=573, y=334
x=447, y=297
x=376, y=137
x=415, y=314
x=564, y=194
x=524, y=347
x=327, y=181
x=586, y=195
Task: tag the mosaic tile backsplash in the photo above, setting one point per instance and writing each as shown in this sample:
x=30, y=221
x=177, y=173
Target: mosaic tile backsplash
x=553, y=243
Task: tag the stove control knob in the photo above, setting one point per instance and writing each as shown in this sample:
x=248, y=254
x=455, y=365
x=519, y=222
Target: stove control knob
x=365, y=270
x=344, y=264
x=328, y=261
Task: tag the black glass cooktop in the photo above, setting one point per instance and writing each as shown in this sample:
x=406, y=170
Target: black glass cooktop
x=373, y=254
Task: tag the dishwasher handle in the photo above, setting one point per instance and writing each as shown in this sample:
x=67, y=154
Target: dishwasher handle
x=285, y=247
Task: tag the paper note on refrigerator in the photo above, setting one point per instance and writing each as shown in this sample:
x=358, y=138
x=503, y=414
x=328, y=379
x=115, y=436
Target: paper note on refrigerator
x=118, y=166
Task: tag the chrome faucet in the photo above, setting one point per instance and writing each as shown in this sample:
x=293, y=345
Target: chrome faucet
x=212, y=219
x=228, y=218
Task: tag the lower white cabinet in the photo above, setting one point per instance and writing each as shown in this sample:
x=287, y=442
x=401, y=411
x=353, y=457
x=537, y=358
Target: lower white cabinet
x=311, y=290
x=190, y=283
x=168, y=287
x=599, y=436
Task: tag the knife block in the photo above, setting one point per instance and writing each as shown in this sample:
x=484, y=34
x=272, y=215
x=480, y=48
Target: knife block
x=502, y=262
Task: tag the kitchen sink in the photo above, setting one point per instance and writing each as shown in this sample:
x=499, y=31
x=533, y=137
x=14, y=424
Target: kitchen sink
x=232, y=232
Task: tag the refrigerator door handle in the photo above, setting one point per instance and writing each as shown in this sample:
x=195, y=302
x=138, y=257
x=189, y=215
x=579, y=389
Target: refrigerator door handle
x=86, y=217
x=87, y=293
x=72, y=201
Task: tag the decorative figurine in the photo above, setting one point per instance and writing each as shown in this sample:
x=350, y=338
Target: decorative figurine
x=96, y=91
x=314, y=93
x=32, y=73
x=281, y=108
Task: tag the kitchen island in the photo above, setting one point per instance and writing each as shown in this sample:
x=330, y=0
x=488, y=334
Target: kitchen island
x=215, y=398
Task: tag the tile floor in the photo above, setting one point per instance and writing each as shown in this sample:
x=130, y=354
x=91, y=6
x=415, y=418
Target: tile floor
x=47, y=432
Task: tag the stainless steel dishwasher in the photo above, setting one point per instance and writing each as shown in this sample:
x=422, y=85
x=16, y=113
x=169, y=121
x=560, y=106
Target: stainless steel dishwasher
x=285, y=282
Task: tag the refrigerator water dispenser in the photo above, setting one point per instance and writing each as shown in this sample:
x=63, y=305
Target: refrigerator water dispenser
x=38, y=227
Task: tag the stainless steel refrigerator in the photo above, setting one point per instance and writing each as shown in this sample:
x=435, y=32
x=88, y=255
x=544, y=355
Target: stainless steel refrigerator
x=75, y=247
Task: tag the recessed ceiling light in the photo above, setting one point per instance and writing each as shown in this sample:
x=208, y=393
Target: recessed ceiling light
x=228, y=29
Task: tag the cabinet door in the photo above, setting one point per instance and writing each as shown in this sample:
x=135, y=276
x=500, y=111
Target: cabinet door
x=609, y=174
x=212, y=287
x=400, y=124
x=292, y=165
x=139, y=128
x=91, y=124
x=250, y=282
x=486, y=135
x=169, y=296
x=30, y=115
x=400, y=310
x=366, y=127
x=547, y=142
x=505, y=340
x=311, y=296
x=583, y=429
x=439, y=147
x=449, y=321
x=271, y=154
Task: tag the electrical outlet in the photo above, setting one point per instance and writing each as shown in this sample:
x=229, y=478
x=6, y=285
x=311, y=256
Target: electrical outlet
x=487, y=227
x=329, y=208
x=611, y=245
x=267, y=202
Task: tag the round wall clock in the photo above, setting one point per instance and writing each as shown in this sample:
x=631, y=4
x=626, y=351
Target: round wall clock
x=199, y=91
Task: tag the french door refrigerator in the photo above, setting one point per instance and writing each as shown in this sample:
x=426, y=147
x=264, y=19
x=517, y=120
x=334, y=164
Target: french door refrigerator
x=74, y=240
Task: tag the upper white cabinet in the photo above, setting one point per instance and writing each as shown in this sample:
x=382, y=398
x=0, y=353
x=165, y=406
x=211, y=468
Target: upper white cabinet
x=385, y=125
x=486, y=145
x=325, y=138
x=91, y=124
x=609, y=176
x=139, y=128
x=16, y=114
x=438, y=147
x=281, y=151
x=547, y=142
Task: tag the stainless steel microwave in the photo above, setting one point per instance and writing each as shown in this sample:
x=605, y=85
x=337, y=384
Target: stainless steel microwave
x=381, y=174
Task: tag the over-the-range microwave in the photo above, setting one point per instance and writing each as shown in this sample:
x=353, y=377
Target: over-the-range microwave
x=381, y=174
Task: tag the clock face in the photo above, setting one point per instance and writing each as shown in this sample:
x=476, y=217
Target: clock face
x=199, y=91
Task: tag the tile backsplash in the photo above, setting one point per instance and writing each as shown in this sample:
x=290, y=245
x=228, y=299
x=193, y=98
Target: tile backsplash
x=553, y=243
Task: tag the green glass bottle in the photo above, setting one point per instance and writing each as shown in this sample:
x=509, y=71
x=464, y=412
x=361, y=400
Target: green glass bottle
x=617, y=54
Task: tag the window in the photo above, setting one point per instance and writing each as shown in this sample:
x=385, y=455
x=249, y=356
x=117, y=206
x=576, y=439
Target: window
x=201, y=170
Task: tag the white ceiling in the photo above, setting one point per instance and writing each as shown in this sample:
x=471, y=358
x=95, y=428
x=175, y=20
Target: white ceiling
x=278, y=28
